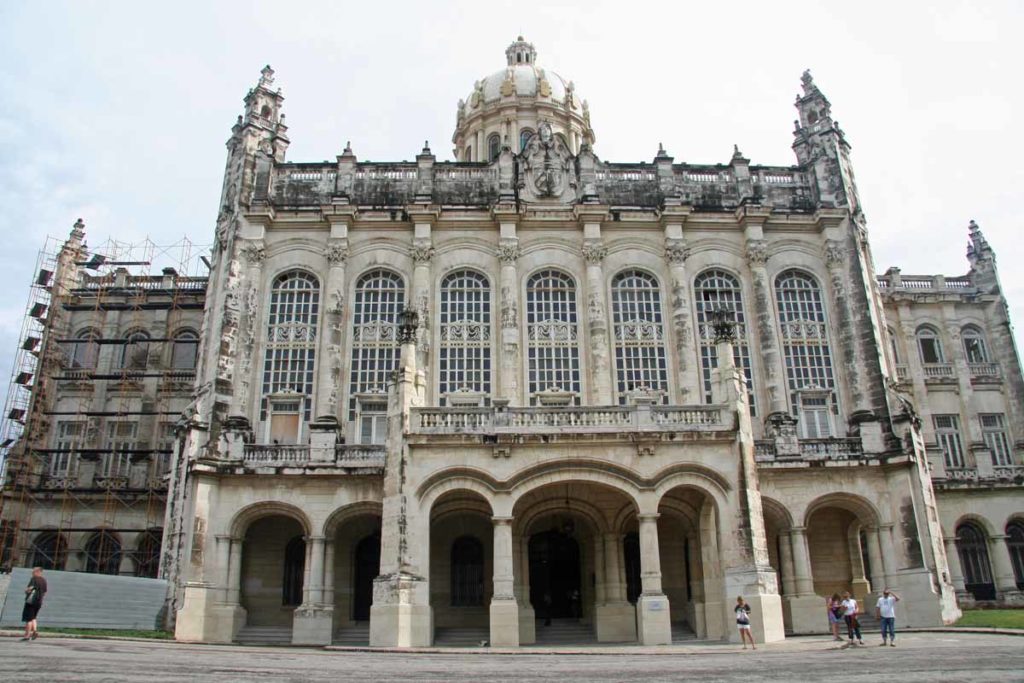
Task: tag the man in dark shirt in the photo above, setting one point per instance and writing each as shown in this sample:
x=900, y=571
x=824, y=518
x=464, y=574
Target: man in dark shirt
x=34, y=593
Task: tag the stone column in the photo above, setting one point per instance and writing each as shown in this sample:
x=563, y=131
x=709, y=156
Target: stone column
x=956, y=572
x=504, y=611
x=690, y=389
x=801, y=561
x=313, y=622
x=224, y=566
x=316, y=570
x=1002, y=569
x=508, y=254
x=247, y=301
x=614, y=591
x=616, y=618
x=329, y=355
x=767, y=338
x=235, y=572
x=599, y=575
x=420, y=294
x=653, y=618
x=786, y=562
x=527, y=621
x=597, y=318
x=889, y=561
x=845, y=324
x=875, y=560
x=329, y=573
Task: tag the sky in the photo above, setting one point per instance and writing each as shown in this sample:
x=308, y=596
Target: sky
x=117, y=112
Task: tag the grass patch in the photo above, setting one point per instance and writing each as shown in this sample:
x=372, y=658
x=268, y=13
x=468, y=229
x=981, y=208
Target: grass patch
x=111, y=633
x=993, y=618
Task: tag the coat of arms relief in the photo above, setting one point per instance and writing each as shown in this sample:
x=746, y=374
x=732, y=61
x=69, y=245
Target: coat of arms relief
x=547, y=168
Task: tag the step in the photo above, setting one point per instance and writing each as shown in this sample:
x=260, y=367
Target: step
x=461, y=637
x=262, y=635
x=357, y=635
x=681, y=631
x=564, y=632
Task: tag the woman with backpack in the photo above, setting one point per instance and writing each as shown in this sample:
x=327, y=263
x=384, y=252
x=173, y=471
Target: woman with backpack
x=34, y=592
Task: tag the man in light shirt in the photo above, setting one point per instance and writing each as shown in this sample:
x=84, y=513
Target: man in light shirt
x=885, y=611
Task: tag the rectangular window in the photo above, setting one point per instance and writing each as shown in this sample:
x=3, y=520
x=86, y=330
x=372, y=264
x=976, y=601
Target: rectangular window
x=165, y=447
x=930, y=352
x=947, y=434
x=64, y=462
x=121, y=441
x=993, y=429
x=373, y=422
x=284, y=422
x=815, y=422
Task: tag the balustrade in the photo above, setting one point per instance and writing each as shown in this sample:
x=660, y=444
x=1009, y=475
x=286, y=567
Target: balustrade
x=937, y=370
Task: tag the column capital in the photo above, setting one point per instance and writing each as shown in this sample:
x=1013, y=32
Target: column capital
x=648, y=516
x=502, y=521
x=224, y=537
x=314, y=539
x=887, y=526
x=798, y=530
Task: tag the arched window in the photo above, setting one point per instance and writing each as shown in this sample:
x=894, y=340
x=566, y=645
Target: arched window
x=103, y=553
x=639, y=334
x=290, y=358
x=81, y=353
x=975, y=349
x=715, y=289
x=806, y=350
x=469, y=153
x=1015, y=544
x=379, y=298
x=524, y=137
x=147, y=557
x=467, y=572
x=929, y=345
x=465, y=349
x=49, y=550
x=294, y=568
x=972, y=544
x=893, y=347
x=183, y=351
x=493, y=147
x=135, y=351
x=553, y=356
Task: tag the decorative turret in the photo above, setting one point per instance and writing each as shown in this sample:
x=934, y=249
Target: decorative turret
x=521, y=52
x=982, y=258
x=263, y=111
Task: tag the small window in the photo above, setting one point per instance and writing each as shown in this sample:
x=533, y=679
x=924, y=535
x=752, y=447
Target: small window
x=930, y=346
x=493, y=147
x=893, y=346
x=469, y=154
x=373, y=422
x=524, y=138
x=815, y=419
x=993, y=429
x=947, y=434
x=183, y=351
x=285, y=422
x=974, y=346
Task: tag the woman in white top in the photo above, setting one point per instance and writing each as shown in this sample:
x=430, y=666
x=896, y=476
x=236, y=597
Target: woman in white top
x=742, y=611
x=850, y=616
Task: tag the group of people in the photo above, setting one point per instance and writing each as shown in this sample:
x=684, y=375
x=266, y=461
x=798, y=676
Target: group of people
x=841, y=609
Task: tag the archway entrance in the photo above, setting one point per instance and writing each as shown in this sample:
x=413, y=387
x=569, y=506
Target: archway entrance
x=273, y=569
x=555, y=587
x=367, y=567
x=353, y=562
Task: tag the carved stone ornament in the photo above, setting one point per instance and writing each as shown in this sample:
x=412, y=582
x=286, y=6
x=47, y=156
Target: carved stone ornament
x=757, y=252
x=835, y=253
x=422, y=252
x=508, y=251
x=254, y=253
x=676, y=251
x=337, y=254
x=594, y=253
x=547, y=168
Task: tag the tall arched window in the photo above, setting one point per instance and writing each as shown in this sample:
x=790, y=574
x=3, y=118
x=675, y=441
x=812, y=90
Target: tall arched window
x=929, y=344
x=294, y=568
x=524, y=137
x=719, y=289
x=103, y=553
x=639, y=334
x=49, y=550
x=183, y=351
x=493, y=147
x=147, y=557
x=1015, y=544
x=465, y=350
x=893, y=346
x=469, y=153
x=135, y=351
x=972, y=544
x=81, y=353
x=975, y=349
x=467, y=562
x=553, y=356
x=290, y=357
x=806, y=350
x=379, y=298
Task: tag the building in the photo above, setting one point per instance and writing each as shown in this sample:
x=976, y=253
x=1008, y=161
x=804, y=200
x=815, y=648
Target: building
x=532, y=396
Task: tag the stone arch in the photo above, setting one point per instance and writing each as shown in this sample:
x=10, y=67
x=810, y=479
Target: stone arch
x=978, y=520
x=465, y=478
x=607, y=474
x=525, y=521
x=242, y=519
x=704, y=479
x=347, y=512
x=778, y=512
x=861, y=508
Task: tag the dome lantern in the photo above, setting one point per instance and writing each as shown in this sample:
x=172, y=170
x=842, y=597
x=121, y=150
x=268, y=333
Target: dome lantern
x=521, y=52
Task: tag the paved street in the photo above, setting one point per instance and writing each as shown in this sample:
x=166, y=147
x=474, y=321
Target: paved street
x=919, y=657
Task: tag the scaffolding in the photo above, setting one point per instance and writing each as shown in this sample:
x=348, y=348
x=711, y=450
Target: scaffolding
x=119, y=410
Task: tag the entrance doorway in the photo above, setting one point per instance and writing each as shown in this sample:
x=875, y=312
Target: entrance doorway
x=555, y=589
x=367, y=567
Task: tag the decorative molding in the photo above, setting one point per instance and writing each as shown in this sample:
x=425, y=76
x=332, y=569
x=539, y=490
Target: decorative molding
x=835, y=252
x=757, y=252
x=594, y=252
x=337, y=254
x=253, y=252
x=422, y=252
x=508, y=251
x=676, y=251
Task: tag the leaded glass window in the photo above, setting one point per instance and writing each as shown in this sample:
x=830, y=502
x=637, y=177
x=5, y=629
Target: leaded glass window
x=291, y=338
x=639, y=335
x=553, y=362
x=720, y=289
x=379, y=298
x=465, y=349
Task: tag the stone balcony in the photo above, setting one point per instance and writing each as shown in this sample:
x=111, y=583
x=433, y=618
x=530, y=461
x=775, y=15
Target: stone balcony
x=299, y=459
x=970, y=477
x=833, y=452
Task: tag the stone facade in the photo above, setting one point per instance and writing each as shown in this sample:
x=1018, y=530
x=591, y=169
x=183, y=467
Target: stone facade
x=545, y=394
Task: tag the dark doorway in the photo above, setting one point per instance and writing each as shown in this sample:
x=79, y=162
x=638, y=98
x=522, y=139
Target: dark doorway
x=555, y=589
x=294, y=568
x=366, y=570
x=631, y=557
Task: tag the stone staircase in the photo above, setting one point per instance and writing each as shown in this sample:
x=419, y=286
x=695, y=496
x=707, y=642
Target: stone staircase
x=565, y=632
x=461, y=637
x=681, y=632
x=264, y=635
x=353, y=635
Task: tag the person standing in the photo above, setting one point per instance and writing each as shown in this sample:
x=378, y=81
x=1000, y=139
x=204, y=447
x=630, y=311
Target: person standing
x=34, y=593
x=850, y=615
x=834, y=607
x=885, y=611
x=742, y=611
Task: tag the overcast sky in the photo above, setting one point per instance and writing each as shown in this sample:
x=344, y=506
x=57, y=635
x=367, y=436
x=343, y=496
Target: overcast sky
x=118, y=112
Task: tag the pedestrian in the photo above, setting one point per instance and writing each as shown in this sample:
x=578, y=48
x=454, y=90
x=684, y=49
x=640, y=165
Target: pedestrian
x=34, y=593
x=885, y=611
x=742, y=611
x=850, y=615
x=834, y=607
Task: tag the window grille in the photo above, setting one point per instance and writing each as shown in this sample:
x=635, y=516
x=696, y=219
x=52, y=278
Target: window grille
x=993, y=429
x=524, y=137
x=290, y=357
x=639, y=335
x=805, y=344
x=379, y=298
x=70, y=435
x=1015, y=544
x=719, y=289
x=553, y=360
x=147, y=558
x=166, y=444
x=947, y=434
x=972, y=544
x=465, y=346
